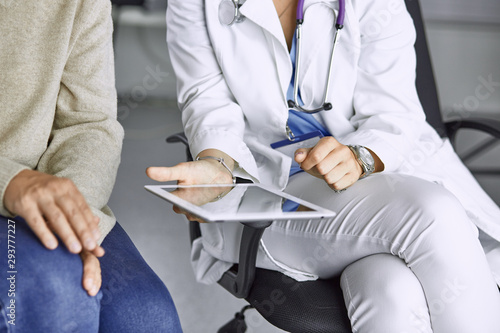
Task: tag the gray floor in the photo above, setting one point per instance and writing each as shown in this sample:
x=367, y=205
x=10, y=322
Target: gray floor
x=161, y=235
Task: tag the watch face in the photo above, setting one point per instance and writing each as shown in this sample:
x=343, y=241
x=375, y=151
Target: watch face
x=366, y=156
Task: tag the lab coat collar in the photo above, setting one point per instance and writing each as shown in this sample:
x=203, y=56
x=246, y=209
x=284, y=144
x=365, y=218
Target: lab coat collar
x=263, y=13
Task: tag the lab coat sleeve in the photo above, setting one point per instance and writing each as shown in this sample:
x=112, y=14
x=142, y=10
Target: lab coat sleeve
x=388, y=117
x=210, y=114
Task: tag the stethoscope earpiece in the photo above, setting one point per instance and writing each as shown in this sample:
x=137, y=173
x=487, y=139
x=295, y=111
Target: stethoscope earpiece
x=229, y=12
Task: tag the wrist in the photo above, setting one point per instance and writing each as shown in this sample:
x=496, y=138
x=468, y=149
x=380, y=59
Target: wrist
x=218, y=153
x=365, y=160
x=221, y=161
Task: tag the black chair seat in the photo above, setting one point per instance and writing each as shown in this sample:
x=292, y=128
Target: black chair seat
x=128, y=2
x=302, y=307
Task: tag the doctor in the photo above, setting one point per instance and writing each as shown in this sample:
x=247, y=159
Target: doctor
x=260, y=101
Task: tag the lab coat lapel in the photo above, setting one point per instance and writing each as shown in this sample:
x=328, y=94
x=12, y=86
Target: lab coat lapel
x=263, y=13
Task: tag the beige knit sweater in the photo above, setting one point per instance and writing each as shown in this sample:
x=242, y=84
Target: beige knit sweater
x=57, y=96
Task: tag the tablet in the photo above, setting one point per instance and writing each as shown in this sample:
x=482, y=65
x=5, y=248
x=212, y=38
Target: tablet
x=239, y=203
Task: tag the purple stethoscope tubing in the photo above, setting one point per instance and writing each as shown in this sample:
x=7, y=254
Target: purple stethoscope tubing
x=340, y=17
x=300, y=19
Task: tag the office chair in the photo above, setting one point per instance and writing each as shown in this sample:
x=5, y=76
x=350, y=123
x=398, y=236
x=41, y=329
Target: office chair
x=318, y=306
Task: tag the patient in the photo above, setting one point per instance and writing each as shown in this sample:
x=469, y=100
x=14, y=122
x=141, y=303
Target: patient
x=67, y=266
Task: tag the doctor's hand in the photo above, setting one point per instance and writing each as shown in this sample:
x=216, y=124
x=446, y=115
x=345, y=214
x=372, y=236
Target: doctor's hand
x=332, y=161
x=206, y=171
x=54, y=206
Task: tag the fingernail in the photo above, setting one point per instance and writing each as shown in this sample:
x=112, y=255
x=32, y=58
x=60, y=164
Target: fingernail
x=89, y=243
x=90, y=282
x=299, y=153
x=52, y=244
x=75, y=247
x=94, y=290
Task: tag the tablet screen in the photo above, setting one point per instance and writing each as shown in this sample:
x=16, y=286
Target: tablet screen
x=241, y=202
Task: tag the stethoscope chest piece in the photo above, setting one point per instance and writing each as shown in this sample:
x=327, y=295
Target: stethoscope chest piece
x=229, y=12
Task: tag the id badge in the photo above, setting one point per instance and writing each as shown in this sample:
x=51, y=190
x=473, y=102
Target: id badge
x=288, y=147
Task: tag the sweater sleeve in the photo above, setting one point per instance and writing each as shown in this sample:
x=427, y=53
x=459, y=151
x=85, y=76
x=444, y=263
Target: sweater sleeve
x=8, y=170
x=86, y=138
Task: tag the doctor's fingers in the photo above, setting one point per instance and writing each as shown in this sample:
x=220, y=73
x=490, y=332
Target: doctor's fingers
x=179, y=172
x=326, y=149
x=189, y=216
x=341, y=177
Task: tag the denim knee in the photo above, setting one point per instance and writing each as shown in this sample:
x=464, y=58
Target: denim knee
x=140, y=300
x=134, y=297
x=49, y=295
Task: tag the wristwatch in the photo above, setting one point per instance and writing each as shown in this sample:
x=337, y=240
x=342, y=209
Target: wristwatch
x=365, y=159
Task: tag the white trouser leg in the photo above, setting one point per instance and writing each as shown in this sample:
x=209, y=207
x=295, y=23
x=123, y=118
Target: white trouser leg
x=382, y=295
x=418, y=221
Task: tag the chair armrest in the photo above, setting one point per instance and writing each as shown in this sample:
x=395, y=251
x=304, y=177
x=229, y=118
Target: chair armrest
x=181, y=137
x=178, y=137
x=490, y=126
x=239, y=279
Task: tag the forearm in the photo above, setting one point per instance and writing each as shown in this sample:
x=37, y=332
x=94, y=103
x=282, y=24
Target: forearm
x=89, y=155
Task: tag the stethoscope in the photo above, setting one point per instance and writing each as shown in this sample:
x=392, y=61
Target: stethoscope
x=229, y=13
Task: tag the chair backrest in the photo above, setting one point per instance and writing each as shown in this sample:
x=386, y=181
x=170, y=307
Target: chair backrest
x=426, y=85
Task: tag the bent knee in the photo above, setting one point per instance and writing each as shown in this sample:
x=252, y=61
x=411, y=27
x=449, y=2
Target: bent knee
x=424, y=203
x=380, y=291
x=384, y=284
x=56, y=274
x=383, y=276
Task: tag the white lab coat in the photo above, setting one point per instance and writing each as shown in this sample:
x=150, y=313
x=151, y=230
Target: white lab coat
x=232, y=83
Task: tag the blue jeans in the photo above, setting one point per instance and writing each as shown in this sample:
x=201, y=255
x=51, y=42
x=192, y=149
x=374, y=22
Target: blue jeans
x=41, y=291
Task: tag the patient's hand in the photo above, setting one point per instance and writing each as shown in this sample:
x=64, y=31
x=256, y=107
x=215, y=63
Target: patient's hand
x=92, y=279
x=53, y=206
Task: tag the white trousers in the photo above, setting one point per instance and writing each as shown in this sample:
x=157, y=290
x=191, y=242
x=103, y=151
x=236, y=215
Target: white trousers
x=414, y=261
